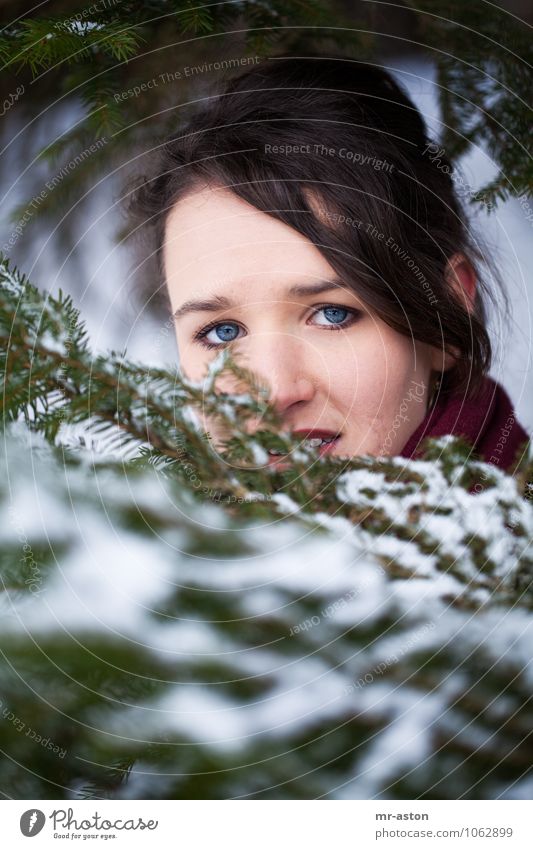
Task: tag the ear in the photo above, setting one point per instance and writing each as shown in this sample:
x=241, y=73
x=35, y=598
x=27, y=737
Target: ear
x=462, y=278
x=440, y=360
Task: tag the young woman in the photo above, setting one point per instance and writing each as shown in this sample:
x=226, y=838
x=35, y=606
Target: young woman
x=300, y=219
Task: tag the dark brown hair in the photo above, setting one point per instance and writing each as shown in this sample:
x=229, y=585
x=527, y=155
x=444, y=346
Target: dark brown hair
x=336, y=149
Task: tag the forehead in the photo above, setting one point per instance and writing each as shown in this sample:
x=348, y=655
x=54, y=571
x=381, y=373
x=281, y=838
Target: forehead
x=215, y=240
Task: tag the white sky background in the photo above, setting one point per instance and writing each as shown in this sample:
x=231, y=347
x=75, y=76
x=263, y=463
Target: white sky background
x=113, y=318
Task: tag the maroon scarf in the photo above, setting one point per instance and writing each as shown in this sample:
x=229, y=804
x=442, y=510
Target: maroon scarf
x=488, y=422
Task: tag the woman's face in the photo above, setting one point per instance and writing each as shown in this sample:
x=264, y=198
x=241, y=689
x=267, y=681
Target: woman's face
x=238, y=277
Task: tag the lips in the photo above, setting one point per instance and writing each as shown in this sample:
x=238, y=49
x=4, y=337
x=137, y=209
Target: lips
x=322, y=439
x=316, y=433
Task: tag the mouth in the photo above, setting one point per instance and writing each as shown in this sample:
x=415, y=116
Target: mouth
x=321, y=440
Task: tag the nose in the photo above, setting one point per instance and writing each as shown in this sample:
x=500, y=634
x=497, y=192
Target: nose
x=280, y=360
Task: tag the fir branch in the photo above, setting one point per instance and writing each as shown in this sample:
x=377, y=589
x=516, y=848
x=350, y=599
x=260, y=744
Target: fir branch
x=43, y=43
x=196, y=18
x=484, y=59
x=112, y=683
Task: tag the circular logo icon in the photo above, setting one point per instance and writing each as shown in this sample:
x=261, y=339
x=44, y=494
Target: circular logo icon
x=32, y=822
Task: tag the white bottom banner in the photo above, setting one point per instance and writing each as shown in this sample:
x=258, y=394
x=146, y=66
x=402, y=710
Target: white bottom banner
x=268, y=824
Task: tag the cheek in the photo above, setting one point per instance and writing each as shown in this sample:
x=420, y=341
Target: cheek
x=192, y=359
x=374, y=375
x=369, y=365
x=193, y=362
x=386, y=359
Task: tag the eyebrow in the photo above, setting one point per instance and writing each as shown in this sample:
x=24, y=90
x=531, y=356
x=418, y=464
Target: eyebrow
x=220, y=302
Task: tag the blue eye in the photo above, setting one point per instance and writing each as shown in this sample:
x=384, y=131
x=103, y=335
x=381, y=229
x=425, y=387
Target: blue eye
x=223, y=332
x=226, y=332
x=335, y=314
